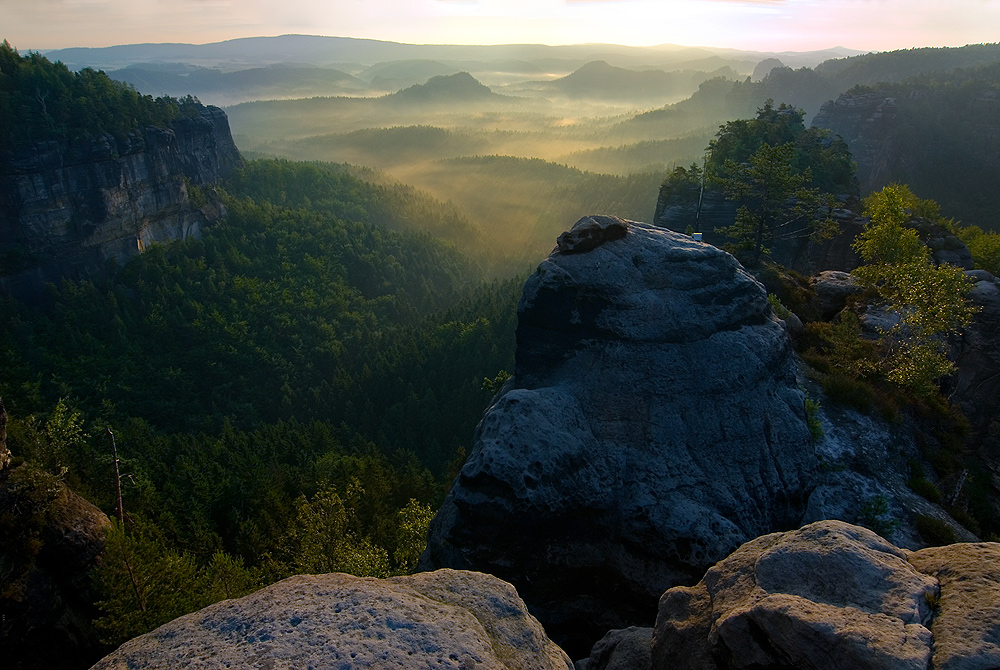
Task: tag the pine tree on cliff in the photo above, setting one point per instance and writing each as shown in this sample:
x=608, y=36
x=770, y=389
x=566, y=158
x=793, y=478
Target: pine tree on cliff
x=774, y=202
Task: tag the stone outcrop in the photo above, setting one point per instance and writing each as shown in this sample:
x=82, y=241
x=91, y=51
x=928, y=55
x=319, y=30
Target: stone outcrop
x=944, y=245
x=439, y=620
x=50, y=541
x=808, y=257
x=832, y=595
x=677, y=209
x=66, y=208
x=652, y=425
x=832, y=289
x=868, y=123
x=976, y=383
x=627, y=649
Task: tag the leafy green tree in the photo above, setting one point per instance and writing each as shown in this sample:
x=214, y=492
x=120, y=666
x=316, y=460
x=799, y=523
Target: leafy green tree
x=41, y=100
x=319, y=541
x=984, y=247
x=827, y=159
x=774, y=167
x=931, y=301
x=774, y=201
x=146, y=583
x=411, y=538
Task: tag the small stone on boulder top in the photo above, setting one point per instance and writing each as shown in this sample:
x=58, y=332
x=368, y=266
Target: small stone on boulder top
x=591, y=232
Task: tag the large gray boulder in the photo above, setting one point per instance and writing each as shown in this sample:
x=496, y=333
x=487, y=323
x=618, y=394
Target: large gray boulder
x=439, y=620
x=652, y=425
x=831, y=595
x=628, y=649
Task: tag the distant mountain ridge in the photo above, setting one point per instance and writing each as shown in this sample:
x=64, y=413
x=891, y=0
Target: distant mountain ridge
x=319, y=50
x=272, y=81
x=210, y=71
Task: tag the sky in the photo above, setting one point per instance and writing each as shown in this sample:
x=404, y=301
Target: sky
x=763, y=25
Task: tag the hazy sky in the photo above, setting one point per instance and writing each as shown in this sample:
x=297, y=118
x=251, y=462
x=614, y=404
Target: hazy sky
x=772, y=25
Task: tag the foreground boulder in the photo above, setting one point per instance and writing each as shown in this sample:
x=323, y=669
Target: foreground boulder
x=832, y=595
x=440, y=620
x=652, y=425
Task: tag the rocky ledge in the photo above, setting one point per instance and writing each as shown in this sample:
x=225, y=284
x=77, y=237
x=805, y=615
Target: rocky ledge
x=652, y=425
x=441, y=620
x=826, y=596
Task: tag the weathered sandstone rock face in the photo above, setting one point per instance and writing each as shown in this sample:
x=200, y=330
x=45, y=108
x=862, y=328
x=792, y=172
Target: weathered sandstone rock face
x=653, y=424
x=66, y=208
x=47, y=596
x=439, y=620
x=868, y=123
x=831, y=595
x=976, y=383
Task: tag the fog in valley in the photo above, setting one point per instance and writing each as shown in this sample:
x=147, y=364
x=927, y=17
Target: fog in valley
x=519, y=140
x=523, y=140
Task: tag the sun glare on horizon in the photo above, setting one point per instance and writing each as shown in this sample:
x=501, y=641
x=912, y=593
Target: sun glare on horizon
x=762, y=25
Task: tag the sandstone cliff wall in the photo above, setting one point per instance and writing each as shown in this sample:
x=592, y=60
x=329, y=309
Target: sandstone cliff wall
x=66, y=208
x=867, y=122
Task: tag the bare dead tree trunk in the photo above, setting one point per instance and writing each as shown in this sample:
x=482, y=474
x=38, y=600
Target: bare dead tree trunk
x=40, y=97
x=701, y=195
x=120, y=513
x=119, y=510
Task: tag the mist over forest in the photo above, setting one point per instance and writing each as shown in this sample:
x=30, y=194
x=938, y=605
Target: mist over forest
x=519, y=138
